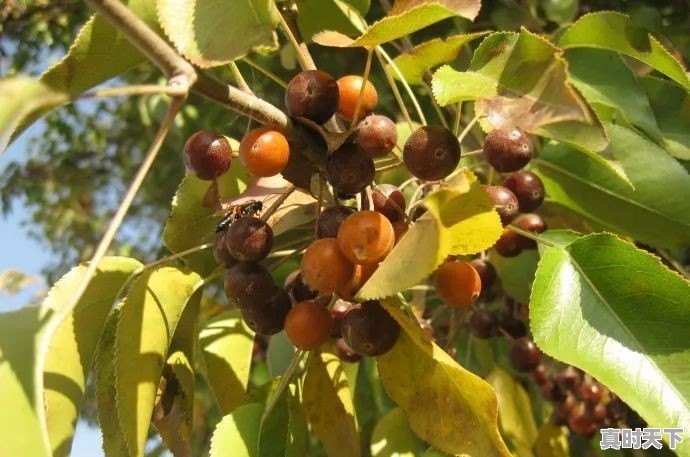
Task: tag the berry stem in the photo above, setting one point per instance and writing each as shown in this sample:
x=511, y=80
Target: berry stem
x=531, y=235
x=279, y=201
x=467, y=129
x=137, y=89
x=132, y=190
x=268, y=73
x=391, y=166
x=458, y=118
x=284, y=381
x=365, y=80
x=407, y=87
x=396, y=92
x=455, y=325
x=239, y=79
x=304, y=59
x=288, y=257
x=439, y=111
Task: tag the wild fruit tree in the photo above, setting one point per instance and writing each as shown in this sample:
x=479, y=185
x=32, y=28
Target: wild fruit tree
x=499, y=270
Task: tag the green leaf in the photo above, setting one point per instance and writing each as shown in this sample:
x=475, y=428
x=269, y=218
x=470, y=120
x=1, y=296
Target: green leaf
x=279, y=353
x=172, y=413
x=521, y=79
x=114, y=444
x=227, y=345
x=341, y=16
x=514, y=409
x=328, y=405
x=195, y=27
x=584, y=186
x=404, y=18
x=191, y=223
x=671, y=106
x=24, y=98
x=450, y=86
x=25, y=338
x=460, y=220
x=429, y=54
x=516, y=273
x=150, y=314
x=428, y=384
x=392, y=436
x=592, y=70
x=616, y=312
x=71, y=349
x=616, y=32
x=238, y=433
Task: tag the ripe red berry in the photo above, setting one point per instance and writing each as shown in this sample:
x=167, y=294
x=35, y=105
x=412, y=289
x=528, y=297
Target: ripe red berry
x=349, y=88
x=349, y=169
x=528, y=189
x=308, y=325
x=524, y=355
x=376, y=135
x=487, y=272
x=388, y=200
x=312, y=94
x=207, y=154
x=328, y=222
x=589, y=392
x=483, y=323
x=249, y=239
x=369, y=330
x=268, y=318
x=345, y=352
x=295, y=286
x=509, y=244
x=264, y=152
x=508, y=150
x=248, y=284
x=431, y=153
x=458, y=284
x=531, y=223
x=366, y=237
x=338, y=310
x=505, y=202
x=221, y=253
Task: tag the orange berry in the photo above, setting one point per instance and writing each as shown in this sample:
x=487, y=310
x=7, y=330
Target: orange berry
x=264, y=151
x=349, y=88
x=360, y=276
x=324, y=268
x=308, y=325
x=366, y=237
x=458, y=284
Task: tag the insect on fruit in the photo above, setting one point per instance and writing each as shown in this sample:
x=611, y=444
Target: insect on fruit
x=251, y=208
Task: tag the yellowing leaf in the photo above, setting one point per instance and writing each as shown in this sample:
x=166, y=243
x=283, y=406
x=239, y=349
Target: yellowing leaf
x=150, y=314
x=552, y=441
x=446, y=405
x=461, y=220
x=72, y=348
x=392, y=436
x=328, y=405
x=211, y=33
x=425, y=56
x=22, y=98
x=404, y=18
x=172, y=414
x=227, y=345
x=514, y=409
x=237, y=435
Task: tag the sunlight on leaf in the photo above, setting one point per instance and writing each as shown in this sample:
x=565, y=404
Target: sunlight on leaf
x=617, y=312
x=404, y=18
x=328, y=405
x=428, y=384
x=429, y=54
x=150, y=314
x=227, y=343
x=392, y=436
x=238, y=433
x=195, y=28
x=615, y=31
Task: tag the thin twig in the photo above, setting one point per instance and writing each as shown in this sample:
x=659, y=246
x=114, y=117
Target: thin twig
x=277, y=79
x=467, y=129
x=396, y=92
x=139, y=89
x=304, y=59
x=239, y=79
x=391, y=166
x=458, y=118
x=407, y=87
x=289, y=257
x=146, y=40
x=279, y=201
x=531, y=235
x=284, y=381
x=360, y=96
x=119, y=216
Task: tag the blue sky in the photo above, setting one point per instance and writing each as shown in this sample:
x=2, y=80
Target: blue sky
x=29, y=256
